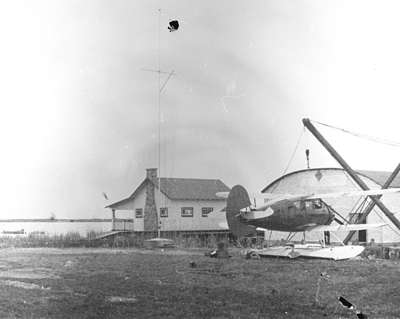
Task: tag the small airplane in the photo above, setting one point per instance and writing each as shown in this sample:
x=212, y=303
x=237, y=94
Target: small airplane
x=293, y=213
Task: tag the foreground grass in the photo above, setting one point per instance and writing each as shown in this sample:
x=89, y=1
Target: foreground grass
x=78, y=283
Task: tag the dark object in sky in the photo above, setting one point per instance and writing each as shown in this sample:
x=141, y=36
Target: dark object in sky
x=173, y=25
x=105, y=196
x=346, y=303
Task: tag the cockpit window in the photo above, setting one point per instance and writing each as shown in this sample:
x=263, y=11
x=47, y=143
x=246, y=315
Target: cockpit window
x=317, y=204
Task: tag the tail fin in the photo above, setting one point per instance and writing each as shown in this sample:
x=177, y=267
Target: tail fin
x=238, y=198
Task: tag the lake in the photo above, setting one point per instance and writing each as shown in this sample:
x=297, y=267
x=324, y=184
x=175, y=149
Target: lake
x=52, y=228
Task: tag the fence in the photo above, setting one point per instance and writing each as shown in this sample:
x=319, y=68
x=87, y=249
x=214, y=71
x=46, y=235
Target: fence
x=122, y=224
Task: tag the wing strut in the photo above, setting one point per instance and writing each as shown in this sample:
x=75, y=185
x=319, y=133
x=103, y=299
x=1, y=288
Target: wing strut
x=337, y=214
x=371, y=205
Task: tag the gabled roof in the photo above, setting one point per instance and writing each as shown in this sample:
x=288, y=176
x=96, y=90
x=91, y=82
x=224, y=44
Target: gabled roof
x=128, y=199
x=182, y=189
x=192, y=189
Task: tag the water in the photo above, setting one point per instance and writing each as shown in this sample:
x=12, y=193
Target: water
x=53, y=228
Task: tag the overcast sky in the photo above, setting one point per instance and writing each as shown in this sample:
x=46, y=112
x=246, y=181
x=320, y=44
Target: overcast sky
x=79, y=116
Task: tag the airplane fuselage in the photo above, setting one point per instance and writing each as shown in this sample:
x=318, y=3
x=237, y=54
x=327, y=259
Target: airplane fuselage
x=293, y=217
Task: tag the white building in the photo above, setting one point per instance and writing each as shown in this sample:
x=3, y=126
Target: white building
x=325, y=180
x=179, y=205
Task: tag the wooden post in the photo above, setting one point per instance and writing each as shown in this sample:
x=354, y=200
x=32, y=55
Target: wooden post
x=113, y=220
x=350, y=171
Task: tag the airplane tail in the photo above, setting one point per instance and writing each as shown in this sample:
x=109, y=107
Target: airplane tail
x=238, y=198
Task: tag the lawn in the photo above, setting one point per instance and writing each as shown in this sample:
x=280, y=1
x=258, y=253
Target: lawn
x=133, y=283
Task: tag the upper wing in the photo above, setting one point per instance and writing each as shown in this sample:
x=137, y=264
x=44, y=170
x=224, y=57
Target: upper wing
x=265, y=196
x=346, y=228
x=280, y=199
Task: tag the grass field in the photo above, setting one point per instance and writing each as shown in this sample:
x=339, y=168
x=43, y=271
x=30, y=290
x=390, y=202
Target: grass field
x=133, y=283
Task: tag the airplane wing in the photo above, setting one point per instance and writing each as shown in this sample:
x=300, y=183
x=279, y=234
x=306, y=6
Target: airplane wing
x=371, y=192
x=281, y=199
x=224, y=225
x=345, y=228
x=322, y=228
x=265, y=196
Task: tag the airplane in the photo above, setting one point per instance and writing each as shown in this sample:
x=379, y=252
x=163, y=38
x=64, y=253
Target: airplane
x=293, y=214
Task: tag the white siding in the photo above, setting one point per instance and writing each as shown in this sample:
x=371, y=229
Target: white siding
x=127, y=210
x=175, y=222
x=139, y=202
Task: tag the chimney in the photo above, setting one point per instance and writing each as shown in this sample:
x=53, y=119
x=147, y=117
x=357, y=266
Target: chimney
x=151, y=173
x=150, y=220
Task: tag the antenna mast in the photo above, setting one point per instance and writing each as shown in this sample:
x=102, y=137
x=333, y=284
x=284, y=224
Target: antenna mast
x=160, y=89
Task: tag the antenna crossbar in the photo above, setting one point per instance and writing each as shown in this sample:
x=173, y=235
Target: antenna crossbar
x=155, y=71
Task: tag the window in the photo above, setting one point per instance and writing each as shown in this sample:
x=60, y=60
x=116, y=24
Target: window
x=308, y=204
x=139, y=213
x=362, y=236
x=317, y=204
x=187, y=211
x=205, y=211
x=163, y=212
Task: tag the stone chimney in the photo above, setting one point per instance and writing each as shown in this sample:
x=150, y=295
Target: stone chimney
x=150, y=209
x=151, y=173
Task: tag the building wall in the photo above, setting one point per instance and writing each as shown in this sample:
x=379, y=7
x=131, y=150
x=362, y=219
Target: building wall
x=128, y=209
x=174, y=221
x=138, y=202
x=337, y=180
